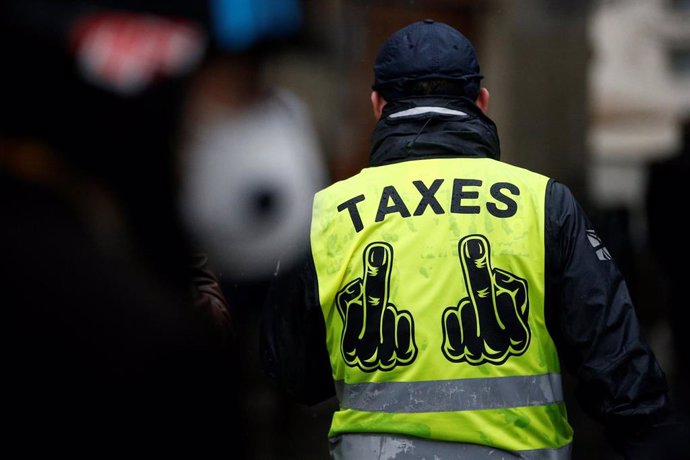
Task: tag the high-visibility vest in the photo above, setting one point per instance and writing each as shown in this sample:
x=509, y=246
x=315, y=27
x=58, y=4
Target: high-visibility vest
x=431, y=281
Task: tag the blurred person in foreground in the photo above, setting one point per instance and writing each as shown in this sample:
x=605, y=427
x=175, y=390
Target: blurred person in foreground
x=252, y=163
x=445, y=289
x=117, y=334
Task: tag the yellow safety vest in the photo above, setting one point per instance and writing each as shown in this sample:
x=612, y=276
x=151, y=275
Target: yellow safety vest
x=431, y=281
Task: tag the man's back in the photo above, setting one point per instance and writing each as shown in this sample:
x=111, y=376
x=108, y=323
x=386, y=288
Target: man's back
x=437, y=271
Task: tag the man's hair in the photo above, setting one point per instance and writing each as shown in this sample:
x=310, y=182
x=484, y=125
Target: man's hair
x=444, y=87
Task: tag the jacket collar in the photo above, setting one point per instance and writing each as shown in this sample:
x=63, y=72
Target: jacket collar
x=433, y=127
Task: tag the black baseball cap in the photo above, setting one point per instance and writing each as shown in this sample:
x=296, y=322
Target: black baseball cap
x=425, y=50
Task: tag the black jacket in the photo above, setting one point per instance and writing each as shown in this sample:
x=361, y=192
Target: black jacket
x=588, y=308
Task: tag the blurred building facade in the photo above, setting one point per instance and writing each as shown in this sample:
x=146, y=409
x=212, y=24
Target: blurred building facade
x=639, y=91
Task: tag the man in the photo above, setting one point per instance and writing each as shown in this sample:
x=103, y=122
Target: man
x=445, y=288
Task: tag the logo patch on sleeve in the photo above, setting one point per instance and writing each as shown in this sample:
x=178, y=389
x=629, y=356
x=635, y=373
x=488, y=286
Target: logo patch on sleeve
x=599, y=248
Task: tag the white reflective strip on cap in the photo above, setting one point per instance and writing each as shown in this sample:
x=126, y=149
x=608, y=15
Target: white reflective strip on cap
x=421, y=110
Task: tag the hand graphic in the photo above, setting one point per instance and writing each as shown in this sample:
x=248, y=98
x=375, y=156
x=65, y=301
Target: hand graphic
x=376, y=336
x=490, y=324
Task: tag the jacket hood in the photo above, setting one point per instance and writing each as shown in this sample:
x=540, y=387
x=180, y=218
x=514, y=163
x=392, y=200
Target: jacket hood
x=433, y=127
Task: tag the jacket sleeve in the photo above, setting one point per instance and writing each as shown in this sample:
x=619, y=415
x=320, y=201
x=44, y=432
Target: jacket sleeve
x=293, y=336
x=209, y=298
x=592, y=320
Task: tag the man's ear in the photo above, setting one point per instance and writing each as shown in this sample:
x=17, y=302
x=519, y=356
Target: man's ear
x=377, y=103
x=483, y=100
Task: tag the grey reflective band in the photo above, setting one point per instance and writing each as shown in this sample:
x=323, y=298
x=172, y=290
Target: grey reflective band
x=421, y=110
x=451, y=395
x=358, y=446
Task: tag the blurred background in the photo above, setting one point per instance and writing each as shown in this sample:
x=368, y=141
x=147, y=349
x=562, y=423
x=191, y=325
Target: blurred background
x=593, y=93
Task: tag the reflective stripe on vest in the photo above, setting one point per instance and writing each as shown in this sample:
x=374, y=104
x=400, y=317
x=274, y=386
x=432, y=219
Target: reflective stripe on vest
x=357, y=446
x=451, y=395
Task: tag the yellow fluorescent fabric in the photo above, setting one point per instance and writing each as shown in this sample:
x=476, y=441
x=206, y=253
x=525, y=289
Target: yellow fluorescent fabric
x=429, y=226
